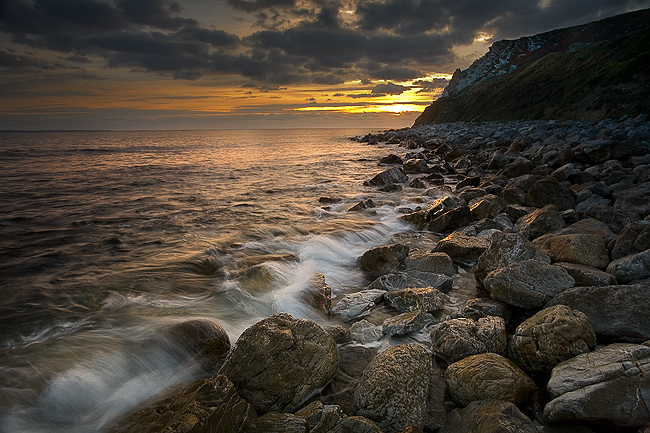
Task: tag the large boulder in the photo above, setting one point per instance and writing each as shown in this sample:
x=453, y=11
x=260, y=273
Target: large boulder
x=205, y=340
x=448, y=220
x=207, y=405
x=607, y=387
x=634, y=238
x=321, y=418
x=488, y=416
x=615, y=219
x=278, y=362
x=551, y=336
x=381, y=260
x=528, y=283
x=394, y=388
x=406, y=323
x=506, y=249
x=436, y=262
x=587, y=276
x=455, y=339
x=415, y=165
x=427, y=299
x=550, y=191
x=462, y=248
x=486, y=206
x=365, y=332
x=359, y=304
x=583, y=249
x=630, y=268
x=488, y=376
x=540, y=222
x=617, y=313
x=388, y=177
x=482, y=307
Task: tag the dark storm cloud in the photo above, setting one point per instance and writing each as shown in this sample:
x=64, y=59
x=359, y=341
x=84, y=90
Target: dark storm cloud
x=17, y=62
x=256, y=5
x=389, y=89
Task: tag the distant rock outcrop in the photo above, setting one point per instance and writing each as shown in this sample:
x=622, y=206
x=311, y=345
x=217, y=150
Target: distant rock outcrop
x=592, y=71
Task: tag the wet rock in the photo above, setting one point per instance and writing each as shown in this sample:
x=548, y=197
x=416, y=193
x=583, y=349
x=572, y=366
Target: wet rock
x=504, y=250
x=406, y=323
x=634, y=238
x=382, y=260
x=391, y=159
x=436, y=262
x=393, y=390
x=630, y=268
x=582, y=249
x=275, y=422
x=362, y=205
x=427, y=299
x=387, y=177
x=462, y=248
x=551, y=336
x=389, y=282
x=414, y=166
x=540, y=222
x=206, y=405
x=486, y=206
x=321, y=418
x=450, y=220
x=549, y=191
x=356, y=424
x=207, y=341
x=607, y=387
x=276, y=363
x=617, y=313
x=455, y=339
x=365, y=332
x=488, y=416
x=338, y=333
x=488, y=376
x=528, y=283
x=587, y=276
x=318, y=294
x=429, y=279
x=482, y=307
x=359, y=304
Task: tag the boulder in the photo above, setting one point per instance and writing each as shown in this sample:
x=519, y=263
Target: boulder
x=601, y=150
x=365, y=332
x=462, y=248
x=488, y=376
x=551, y=336
x=414, y=166
x=406, y=323
x=550, y=191
x=362, y=205
x=455, y=339
x=279, y=361
x=318, y=294
x=488, y=416
x=435, y=262
x=393, y=281
x=382, y=260
x=356, y=424
x=276, y=422
x=513, y=195
x=630, y=268
x=506, y=249
x=206, y=405
x=482, y=307
x=528, y=283
x=486, y=206
x=607, y=387
x=634, y=238
x=449, y=220
x=391, y=159
x=359, y=304
x=387, y=177
x=394, y=388
x=441, y=282
x=617, y=313
x=615, y=219
x=587, y=276
x=583, y=249
x=426, y=299
x=205, y=340
x=540, y=222
x=338, y=333
x=321, y=418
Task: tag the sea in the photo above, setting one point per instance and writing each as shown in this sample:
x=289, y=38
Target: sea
x=108, y=237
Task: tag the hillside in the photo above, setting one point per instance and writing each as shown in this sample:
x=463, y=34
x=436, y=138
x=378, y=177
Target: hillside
x=594, y=71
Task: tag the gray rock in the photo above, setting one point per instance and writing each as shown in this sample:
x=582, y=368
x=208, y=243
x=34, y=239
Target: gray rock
x=365, y=332
x=359, y=304
x=549, y=191
x=634, y=238
x=488, y=376
x=617, y=313
x=387, y=177
x=504, y=250
x=609, y=386
x=321, y=418
x=205, y=340
x=338, y=333
x=393, y=390
x=276, y=363
x=455, y=339
x=528, y=283
x=439, y=263
x=406, y=323
x=449, y=220
x=389, y=282
x=602, y=150
x=587, y=276
x=210, y=405
x=540, y=222
x=551, y=336
x=429, y=279
x=381, y=260
x=488, y=416
x=415, y=166
x=427, y=299
x=582, y=249
x=630, y=268
x=486, y=206
x=615, y=219
x=482, y=307
x=462, y=248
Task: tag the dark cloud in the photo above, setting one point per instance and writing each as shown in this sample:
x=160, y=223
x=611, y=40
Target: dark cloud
x=256, y=5
x=161, y=14
x=398, y=73
x=330, y=79
x=388, y=89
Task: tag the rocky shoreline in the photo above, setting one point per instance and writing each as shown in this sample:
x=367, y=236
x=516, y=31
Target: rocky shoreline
x=543, y=227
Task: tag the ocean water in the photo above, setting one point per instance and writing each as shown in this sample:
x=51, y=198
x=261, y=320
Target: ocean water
x=106, y=237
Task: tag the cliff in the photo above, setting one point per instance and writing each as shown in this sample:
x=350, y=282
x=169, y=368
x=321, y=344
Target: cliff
x=593, y=71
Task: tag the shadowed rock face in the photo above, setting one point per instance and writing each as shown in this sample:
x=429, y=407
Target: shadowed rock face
x=488, y=416
x=280, y=361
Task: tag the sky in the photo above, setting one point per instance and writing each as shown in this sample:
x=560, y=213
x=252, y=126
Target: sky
x=215, y=64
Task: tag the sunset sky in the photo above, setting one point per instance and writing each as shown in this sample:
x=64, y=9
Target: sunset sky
x=203, y=64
